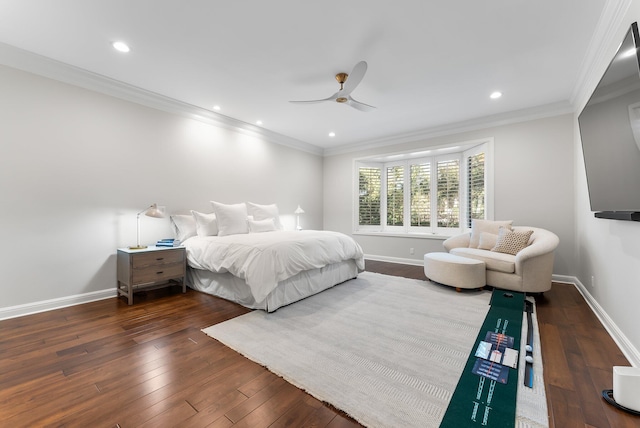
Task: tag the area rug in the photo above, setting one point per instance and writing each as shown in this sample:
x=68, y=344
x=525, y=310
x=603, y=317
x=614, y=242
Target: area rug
x=387, y=351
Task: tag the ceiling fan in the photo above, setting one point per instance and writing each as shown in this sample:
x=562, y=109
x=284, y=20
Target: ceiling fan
x=348, y=83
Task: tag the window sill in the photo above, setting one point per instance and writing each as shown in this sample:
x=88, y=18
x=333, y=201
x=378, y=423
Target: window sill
x=403, y=235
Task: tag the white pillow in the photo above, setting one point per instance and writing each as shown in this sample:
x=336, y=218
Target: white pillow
x=489, y=226
x=184, y=226
x=258, y=226
x=263, y=212
x=487, y=241
x=232, y=219
x=206, y=224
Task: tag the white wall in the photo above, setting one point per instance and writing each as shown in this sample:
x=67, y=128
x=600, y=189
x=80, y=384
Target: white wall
x=76, y=166
x=533, y=186
x=609, y=250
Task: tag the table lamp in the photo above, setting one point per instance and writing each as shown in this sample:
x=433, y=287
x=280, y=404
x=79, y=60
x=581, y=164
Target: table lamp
x=151, y=211
x=297, y=212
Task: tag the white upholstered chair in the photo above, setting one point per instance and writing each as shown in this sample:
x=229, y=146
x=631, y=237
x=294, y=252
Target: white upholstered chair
x=530, y=270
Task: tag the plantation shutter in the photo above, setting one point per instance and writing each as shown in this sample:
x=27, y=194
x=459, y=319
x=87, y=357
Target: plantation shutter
x=395, y=196
x=369, y=179
x=448, y=172
x=430, y=192
x=476, y=192
x=421, y=194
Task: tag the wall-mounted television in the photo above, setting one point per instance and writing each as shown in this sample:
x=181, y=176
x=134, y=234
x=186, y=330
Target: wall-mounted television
x=610, y=133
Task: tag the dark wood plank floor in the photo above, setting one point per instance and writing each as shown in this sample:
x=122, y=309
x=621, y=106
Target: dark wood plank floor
x=148, y=365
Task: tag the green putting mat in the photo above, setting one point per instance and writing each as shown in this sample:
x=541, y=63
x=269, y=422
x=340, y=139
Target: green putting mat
x=486, y=392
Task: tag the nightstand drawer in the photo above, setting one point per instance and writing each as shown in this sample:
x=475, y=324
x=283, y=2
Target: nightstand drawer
x=155, y=273
x=156, y=258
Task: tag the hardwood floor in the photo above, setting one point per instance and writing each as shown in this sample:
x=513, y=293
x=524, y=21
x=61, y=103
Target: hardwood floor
x=578, y=357
x=107, y=364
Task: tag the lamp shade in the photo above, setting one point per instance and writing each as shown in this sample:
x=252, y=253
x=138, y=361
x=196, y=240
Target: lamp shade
x=154, y=211
x=299, y=210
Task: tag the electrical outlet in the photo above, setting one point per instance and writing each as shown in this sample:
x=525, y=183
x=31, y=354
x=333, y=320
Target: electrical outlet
x=593, y=281
x=411, y=251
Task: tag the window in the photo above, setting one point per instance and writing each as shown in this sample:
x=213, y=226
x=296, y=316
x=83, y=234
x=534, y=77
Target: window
x=448, y=193
x=420, y=194
x=369, y=196
x=438, y=194
x=395, y=196
x=476, y=192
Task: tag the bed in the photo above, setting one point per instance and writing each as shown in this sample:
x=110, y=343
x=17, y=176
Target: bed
x=257, y=264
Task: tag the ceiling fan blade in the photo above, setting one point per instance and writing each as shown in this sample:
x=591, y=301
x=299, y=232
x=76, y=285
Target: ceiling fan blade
x=354, y=78
x=331, y=98
x=308, y=102
x=360, y=106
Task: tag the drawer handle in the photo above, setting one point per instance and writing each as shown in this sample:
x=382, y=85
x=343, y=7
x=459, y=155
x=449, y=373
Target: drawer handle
x=160, y=258
x=159, y=273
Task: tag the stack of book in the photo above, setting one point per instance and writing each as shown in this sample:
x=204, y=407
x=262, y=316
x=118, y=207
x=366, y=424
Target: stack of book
x=169, y=242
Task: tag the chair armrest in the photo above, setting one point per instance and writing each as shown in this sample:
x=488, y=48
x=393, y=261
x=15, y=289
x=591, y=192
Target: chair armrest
x=457, y=241
x=546, y=245
x=535, y=263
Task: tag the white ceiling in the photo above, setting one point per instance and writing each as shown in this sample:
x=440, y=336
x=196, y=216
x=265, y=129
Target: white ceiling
x=430, y=63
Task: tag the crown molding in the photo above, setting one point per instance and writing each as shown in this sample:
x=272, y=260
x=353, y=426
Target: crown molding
x=37, y=64
x=508, y=118
x=599, y=53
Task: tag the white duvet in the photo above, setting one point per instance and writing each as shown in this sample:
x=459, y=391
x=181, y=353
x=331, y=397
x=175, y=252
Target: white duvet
x=264, y=259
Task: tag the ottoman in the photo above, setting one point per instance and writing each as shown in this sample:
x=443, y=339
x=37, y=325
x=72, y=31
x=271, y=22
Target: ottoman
x=455, y=271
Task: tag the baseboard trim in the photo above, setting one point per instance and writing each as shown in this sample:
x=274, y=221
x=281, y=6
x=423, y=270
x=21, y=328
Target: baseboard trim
x=565, y=279
x=627, y=348
x=413, y=262
x=58, y=303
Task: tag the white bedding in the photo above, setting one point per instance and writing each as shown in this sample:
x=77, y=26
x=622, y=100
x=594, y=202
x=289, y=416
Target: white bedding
x=264, y=259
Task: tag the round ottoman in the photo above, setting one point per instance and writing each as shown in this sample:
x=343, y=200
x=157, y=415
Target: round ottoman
x=455, y=271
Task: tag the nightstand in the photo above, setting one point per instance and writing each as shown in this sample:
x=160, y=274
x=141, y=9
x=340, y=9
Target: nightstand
x=151, y=267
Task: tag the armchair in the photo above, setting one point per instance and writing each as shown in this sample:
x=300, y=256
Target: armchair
x=530, y=270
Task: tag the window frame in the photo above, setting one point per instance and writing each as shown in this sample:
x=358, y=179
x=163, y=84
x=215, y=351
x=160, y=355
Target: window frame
x=460, y=151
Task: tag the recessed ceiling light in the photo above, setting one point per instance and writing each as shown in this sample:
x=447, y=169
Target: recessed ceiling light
x=332, y=134
x=258, y=122
x=216, y=108
x=121, y=46
x=495, y=95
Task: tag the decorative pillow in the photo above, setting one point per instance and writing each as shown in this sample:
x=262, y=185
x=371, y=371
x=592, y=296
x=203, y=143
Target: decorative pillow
x=184, y=226
x=232, y=219
x=263, y=212
x=489, y=226
x=487, y=241
x=510, y=242
x=258, y=226
x=206, y=224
